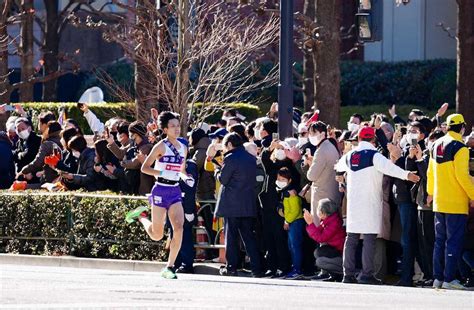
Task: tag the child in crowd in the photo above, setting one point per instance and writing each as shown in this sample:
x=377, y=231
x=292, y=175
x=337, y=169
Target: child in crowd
x=294, y=224
x=330, y=235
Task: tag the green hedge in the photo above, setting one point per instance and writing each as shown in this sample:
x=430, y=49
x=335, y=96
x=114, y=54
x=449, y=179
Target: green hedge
x=124, y=110
x=90, y=227
x=421, y=83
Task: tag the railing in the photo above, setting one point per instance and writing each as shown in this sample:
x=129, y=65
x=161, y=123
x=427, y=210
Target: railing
x=202, y=206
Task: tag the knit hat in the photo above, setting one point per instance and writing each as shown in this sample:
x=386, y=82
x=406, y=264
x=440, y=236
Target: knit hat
x=138, y=128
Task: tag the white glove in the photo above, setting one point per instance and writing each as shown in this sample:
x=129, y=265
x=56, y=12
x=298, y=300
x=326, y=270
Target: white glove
x=189, y=217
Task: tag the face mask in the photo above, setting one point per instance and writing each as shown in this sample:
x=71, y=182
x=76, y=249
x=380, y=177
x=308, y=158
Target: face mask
x=413, y=136
x=404, y=142
x=257, y=135
x=280, y=154
x=281, y=184
x=302, y=140
x=315, y=140
x=218, y=146
x=352, y=127
x=24, y=134
x=76, y=154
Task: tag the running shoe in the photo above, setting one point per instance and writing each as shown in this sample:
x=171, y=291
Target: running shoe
x=453, y=285
x=133, y=215
x=437, y=284
x=168, y=273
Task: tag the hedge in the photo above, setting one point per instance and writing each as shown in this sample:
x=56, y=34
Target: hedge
x=79, y=226
x=123, y=110
x=422, y=83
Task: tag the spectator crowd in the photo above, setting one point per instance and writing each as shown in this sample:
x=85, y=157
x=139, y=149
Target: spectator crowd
x=383, y=197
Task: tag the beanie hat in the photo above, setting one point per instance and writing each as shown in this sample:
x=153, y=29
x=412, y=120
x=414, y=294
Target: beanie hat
x=138, y=128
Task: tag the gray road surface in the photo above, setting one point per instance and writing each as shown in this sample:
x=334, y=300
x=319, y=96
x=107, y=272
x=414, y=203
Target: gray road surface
x=34, y=287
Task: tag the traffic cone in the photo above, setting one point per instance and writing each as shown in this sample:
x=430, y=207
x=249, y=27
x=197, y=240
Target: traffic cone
x=201, y=239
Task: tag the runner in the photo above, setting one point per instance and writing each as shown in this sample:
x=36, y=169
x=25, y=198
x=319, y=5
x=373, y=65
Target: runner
x=165, y=198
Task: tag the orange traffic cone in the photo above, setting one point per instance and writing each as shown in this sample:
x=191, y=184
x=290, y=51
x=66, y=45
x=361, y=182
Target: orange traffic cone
x=201, y=239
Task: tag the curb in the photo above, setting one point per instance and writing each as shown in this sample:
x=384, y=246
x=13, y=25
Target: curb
x=98, y=263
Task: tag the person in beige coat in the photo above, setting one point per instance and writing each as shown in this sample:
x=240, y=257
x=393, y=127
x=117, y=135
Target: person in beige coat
x=321, y=168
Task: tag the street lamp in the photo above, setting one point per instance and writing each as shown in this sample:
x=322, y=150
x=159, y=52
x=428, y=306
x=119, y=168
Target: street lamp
x=285, y=87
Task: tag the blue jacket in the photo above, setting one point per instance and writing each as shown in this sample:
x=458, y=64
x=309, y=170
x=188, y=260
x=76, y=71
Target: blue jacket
x=237, y=191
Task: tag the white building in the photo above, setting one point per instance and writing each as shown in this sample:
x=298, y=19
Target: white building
x=412, y=31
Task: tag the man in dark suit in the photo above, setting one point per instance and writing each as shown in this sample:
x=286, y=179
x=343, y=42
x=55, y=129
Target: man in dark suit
x=237, y=205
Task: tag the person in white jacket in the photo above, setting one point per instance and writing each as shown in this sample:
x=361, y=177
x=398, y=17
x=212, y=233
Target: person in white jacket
x=364, y=169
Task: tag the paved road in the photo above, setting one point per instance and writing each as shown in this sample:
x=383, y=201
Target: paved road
x=53, y=287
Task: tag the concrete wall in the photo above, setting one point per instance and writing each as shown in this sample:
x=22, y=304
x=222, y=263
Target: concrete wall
x=411, y=32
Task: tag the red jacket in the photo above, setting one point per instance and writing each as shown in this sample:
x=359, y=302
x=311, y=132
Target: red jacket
x=330, y=231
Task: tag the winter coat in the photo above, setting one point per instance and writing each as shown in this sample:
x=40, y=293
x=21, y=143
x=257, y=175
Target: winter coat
x=330, y=232
x=86, y=177
x=365, y=168
x=26, y=150
x=7, y=167
x=206, y=186
x=323, y=175
x=237, y=191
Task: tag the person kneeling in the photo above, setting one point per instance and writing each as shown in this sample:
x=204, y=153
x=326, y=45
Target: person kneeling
x=331, y=235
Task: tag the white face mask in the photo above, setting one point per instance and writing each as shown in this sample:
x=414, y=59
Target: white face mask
x=76, y=154
x=218, y=146
x=24, y=134
x=281, y=184
x=412, y=136
x=302, y=140
x=315, y=140
x=352, y=127
x=280, y=154
x=403, y=142
x=257, y=134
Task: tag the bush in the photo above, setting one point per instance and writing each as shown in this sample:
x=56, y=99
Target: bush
x=123, y=110
x=79, y=226
x=421, y=83
x=248, y=110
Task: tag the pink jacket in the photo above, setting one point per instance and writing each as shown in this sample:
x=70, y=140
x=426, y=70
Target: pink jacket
x=330, y=231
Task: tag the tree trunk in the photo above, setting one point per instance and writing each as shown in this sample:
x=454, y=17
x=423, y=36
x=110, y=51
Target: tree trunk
x=142, y=75
x=4, y=81
x=326, y=61
x=182, y=83
x=26, y=51
x=308, y=66
x=51, y=49
x=465, y=62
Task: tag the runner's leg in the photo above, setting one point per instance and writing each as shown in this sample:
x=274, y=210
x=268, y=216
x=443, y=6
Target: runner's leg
x=155, y=228
x=176, y=216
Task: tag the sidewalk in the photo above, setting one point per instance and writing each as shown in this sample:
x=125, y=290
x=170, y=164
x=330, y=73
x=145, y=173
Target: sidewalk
x=98, y=263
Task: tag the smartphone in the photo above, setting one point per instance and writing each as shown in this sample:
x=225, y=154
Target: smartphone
x=275, y=136
x=9, y=108
x=398, y=126
x=414, y=142
x=80, y=105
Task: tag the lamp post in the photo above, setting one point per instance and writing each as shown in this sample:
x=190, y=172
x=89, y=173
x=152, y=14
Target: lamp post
x=285, y=87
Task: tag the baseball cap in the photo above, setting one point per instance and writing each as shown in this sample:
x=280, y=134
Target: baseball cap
x=219, y=133
x=366, y=132
x=455, y=119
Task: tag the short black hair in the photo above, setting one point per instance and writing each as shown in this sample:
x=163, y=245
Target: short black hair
x=435, y=135
x=285, y=172
x=418, y=125
x=67, y=134
x=359, y=116
x=417, y=112
x=318, y=126
x=233, y=138
x=240, y=129
x=270, y=126
x=222, y=122
x=122, y=128
x=46, y=117
x=78, y=143
x=76, y=125
x=456, y=128
x=165, y=117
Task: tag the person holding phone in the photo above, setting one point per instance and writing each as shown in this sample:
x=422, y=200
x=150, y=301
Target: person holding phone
x=406, y=205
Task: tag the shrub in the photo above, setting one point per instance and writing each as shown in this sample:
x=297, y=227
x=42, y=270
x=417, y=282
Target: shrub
x=79, y=226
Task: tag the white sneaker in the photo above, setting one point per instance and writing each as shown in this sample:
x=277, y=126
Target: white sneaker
x=453, y=285
x=437, y=284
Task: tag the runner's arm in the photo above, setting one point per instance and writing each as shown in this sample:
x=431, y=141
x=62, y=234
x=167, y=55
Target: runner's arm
x=155, y=154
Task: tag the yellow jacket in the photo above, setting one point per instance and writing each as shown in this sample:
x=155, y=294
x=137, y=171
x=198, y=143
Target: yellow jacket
x=293, y=208
x=448, y=175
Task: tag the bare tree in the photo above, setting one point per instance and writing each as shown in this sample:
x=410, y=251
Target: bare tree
x=4, y=43
x=308, y=66
x=26, y=50
x=224, y=47
x=465, y=60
